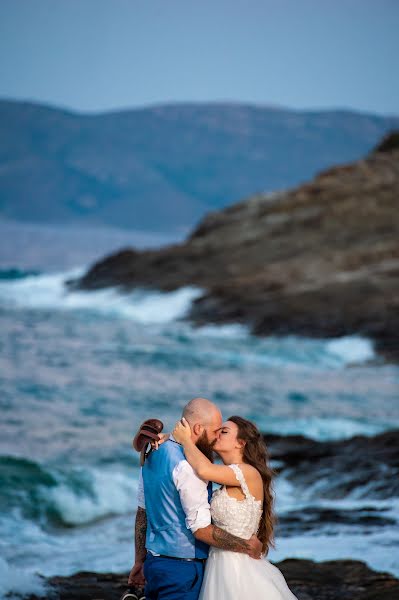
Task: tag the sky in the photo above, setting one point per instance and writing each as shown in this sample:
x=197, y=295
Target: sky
x=100, y=55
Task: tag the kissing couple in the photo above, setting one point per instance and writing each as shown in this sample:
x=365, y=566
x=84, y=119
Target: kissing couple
x=191, y=544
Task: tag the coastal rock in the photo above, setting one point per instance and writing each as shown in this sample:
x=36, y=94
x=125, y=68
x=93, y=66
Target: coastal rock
x=320, y=260
x=364, y=467
x=366, y=458
x=308, y=580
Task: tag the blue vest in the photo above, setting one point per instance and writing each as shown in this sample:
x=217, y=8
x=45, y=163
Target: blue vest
x=167, y=532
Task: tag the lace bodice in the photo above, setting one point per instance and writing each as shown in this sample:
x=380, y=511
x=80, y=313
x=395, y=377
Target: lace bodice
x=238, y=517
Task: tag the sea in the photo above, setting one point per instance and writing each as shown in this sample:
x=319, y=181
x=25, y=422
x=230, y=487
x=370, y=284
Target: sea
x=80, y=371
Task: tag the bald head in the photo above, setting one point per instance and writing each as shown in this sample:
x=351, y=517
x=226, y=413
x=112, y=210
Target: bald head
x=200, y=410
x=203, y=415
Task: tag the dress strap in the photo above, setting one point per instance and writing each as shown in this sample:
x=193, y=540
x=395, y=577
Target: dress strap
x=240, y=477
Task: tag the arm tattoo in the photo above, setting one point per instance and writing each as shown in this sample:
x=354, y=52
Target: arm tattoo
x=140, y=533
x=228, y=541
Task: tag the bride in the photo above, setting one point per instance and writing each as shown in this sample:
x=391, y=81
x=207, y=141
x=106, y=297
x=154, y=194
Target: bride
x=241, y=506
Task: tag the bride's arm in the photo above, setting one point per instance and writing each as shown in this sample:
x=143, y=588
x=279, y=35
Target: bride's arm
x=204, y=468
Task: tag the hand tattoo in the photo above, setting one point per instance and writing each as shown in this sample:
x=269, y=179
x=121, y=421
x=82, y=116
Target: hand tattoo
x=140, y=533
x=228, y=541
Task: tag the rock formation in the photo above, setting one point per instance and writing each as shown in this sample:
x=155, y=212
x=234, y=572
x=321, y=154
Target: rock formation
x=321, y=259
x=308, y=580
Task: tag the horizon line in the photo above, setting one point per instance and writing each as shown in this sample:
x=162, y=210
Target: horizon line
x=175, y=103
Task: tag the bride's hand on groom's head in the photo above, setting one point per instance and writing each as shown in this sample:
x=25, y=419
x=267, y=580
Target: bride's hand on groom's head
x=182, y=431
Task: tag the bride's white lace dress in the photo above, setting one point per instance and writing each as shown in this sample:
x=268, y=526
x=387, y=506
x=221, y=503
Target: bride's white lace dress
x=233, y=576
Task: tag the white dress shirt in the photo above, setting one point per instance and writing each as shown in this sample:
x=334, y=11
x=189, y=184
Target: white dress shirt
x=193, y=493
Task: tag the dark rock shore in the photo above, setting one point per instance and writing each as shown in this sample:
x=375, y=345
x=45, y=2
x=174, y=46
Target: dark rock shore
x=364, y=466
x=321, y=259
x=371, y=459
x=308, y=580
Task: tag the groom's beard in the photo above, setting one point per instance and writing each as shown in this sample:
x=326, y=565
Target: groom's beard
x=205, y=446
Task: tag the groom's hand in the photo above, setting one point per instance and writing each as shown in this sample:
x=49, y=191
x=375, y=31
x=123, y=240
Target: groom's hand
x=255, y=547
x=136, y=575
x=215, y=536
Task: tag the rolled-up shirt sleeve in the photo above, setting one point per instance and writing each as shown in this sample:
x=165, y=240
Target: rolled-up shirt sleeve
x=193, y=494
x=140, y=491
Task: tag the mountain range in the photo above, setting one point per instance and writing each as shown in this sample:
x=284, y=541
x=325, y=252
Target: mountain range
x=163, y=167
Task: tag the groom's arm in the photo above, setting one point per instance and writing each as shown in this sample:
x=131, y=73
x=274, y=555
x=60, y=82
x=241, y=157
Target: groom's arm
x=140, y=531
x=215, y=536
x=136, y=576
x=194, y=499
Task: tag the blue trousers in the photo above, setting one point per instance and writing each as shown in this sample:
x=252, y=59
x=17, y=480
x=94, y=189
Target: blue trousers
x=169, y=579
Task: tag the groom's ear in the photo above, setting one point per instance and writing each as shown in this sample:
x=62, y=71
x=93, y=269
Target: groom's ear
x=197, y=429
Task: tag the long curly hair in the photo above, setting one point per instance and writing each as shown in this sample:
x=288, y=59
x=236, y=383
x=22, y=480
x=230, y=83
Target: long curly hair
x=255, y=453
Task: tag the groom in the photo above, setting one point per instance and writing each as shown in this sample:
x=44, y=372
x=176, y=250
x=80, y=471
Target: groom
x=173, y=521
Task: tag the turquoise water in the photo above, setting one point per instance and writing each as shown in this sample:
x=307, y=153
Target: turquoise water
x=79, y=372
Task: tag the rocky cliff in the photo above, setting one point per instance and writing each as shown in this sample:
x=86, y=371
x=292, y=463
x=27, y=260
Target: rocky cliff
x=320, y=259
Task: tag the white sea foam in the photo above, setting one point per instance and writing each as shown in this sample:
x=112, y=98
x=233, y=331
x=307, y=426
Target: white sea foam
x=288, y=351
x=111, y=494
x=319, y=428
x=351, y=349
x=49, y=292
x=19, y=580
x=233, y=330
x=37, y=291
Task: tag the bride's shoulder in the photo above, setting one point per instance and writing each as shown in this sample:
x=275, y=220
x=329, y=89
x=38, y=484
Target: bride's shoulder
x=250, y=472
x=253, y=480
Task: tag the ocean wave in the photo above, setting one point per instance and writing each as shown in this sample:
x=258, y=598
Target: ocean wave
x=323, y=428
x=63, y=497
x=219, y=343
x=228, y=331
x=19, y=580
x=110, y=494
x=48, y=291
x=160, y=309
x=44, y=290
x=15, y=273
x=351, y=349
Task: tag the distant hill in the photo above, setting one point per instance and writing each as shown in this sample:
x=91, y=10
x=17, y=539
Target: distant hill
x=164, y=167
